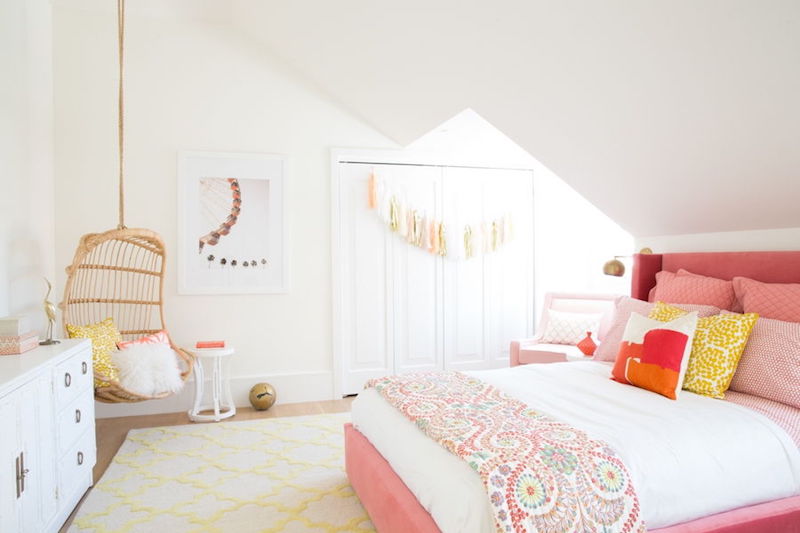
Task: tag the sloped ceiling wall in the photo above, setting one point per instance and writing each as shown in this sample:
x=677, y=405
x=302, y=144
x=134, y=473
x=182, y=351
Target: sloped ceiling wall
x=670, y=116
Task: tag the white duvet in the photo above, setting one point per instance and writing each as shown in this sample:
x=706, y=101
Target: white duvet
x=688, y=458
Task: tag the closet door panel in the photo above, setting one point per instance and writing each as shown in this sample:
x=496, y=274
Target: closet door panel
x=416, y=275
x=488, y=298
x=365, y=267
x=464, y=306
x=509, y=269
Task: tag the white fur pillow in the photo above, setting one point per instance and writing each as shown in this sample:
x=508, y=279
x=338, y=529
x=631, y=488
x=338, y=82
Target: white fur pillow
x=148, y=369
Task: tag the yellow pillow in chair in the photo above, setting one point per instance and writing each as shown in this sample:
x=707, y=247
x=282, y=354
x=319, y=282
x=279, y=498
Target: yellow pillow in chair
x=104, y=336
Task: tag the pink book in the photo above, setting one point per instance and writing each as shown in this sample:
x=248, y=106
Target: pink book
x=16, y=344
x=210, y=344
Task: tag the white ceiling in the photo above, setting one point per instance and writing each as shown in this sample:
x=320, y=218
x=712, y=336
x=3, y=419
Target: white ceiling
x=672, y=116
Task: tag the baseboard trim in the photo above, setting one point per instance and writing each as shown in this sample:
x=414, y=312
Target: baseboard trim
x=290, y=388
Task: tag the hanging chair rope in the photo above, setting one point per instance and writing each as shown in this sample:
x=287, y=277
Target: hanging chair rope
x=120, y=273
x=121, y=109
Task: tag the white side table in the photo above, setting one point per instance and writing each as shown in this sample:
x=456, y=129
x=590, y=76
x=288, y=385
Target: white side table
x=222, y=407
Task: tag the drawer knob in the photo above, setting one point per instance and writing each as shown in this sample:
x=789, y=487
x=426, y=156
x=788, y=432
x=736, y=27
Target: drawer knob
x=77, y=416
x=84, y=367
x=67, y=379
x=80, y=458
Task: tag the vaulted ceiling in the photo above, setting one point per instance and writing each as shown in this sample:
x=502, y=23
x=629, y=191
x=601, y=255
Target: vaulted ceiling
x=672, y=116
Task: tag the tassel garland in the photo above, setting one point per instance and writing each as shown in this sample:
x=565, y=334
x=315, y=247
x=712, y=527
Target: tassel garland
x=418, y=229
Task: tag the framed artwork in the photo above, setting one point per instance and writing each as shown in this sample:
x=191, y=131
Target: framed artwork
x=232, y=233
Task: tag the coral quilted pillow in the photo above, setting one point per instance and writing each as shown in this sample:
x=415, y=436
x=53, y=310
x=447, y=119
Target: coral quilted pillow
x=688, y=288
x=716, y=349
x=653, y=354
x=104, y=336
x=780, y=301
x=160, y=337
x=569, y=328
x=770, y=364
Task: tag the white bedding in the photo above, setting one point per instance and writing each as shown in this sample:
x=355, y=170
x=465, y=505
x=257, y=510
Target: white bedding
x=688, y=458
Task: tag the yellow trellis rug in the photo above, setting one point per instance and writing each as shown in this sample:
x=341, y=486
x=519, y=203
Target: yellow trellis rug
x=270, y=475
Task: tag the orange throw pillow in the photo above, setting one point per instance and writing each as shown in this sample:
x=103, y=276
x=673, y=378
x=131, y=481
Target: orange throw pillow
x=654, y=355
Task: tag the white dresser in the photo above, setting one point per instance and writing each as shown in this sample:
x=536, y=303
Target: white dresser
x=47, y=441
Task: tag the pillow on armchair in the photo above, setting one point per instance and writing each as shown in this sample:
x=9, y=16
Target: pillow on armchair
x=569, y=328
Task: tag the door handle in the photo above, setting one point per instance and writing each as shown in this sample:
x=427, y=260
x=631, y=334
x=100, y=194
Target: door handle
x=67, y=379
x=77, y=416
x=84, y=367
x=80, y=458
x=18, y=476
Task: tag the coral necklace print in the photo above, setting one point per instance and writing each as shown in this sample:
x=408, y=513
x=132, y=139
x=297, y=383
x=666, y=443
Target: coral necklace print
x=223, y=193
x=540, y=474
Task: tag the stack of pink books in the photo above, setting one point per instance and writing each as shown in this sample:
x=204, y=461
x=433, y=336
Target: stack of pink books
x=16, y=335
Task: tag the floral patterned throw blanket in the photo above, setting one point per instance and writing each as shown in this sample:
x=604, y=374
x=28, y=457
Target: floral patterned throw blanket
x=541, y=475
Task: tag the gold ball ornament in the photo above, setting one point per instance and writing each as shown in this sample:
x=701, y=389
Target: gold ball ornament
x=262, y=396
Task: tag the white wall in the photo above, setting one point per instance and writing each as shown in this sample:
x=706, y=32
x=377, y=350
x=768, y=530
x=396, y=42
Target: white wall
x=26, y=157
x=573, y=240
x=193, y=85
x=729, y=241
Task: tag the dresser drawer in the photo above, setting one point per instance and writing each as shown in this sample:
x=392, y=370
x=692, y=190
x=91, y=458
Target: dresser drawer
x=73, y=376
x=73, y=420
x=76, y=465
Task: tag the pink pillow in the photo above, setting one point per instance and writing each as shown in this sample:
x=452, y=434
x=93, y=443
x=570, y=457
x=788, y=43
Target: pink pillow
x=770, y=364
x=780, y=301
x=160, y=337
x=625, y=305
x=688, y=288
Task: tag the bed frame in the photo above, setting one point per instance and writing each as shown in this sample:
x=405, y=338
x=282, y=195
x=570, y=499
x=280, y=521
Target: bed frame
x=394, y=509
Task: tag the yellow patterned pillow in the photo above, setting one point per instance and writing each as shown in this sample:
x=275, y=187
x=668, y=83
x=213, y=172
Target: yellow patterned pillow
x=716, y=349
x=105, y=337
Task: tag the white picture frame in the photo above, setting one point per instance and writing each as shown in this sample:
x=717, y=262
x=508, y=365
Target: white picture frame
x=232, y=223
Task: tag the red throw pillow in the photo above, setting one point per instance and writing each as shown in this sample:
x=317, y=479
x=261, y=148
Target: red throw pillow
x=654, y=355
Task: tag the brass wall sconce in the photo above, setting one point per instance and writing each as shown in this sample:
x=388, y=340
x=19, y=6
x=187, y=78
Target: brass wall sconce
x=616, y=268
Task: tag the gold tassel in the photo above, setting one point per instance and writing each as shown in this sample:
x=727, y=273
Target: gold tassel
x=468, y=252
x=442, y=241
x=372, y=199
x=434, y=249
x=394, y=223
x=494, y=235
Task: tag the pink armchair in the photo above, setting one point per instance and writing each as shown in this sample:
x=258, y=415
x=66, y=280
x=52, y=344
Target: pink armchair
x=527, y=351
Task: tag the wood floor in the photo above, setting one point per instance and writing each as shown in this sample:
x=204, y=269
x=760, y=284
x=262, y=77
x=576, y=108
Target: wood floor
x=111, y=432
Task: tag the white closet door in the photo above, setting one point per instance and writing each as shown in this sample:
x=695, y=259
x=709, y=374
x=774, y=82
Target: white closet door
x=363, y=330
x=488, y=298
x=417, y=276
x=509, y=275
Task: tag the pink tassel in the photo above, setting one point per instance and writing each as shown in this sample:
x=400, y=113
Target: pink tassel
x=372, y=199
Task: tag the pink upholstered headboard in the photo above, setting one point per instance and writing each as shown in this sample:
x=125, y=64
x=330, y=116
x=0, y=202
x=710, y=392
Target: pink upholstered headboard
x=769, y=267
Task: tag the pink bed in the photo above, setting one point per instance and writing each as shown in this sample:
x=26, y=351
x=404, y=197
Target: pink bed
x=393, y=508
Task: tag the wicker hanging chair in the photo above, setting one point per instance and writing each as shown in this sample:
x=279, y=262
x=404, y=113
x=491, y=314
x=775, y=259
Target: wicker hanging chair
x=120, y=274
